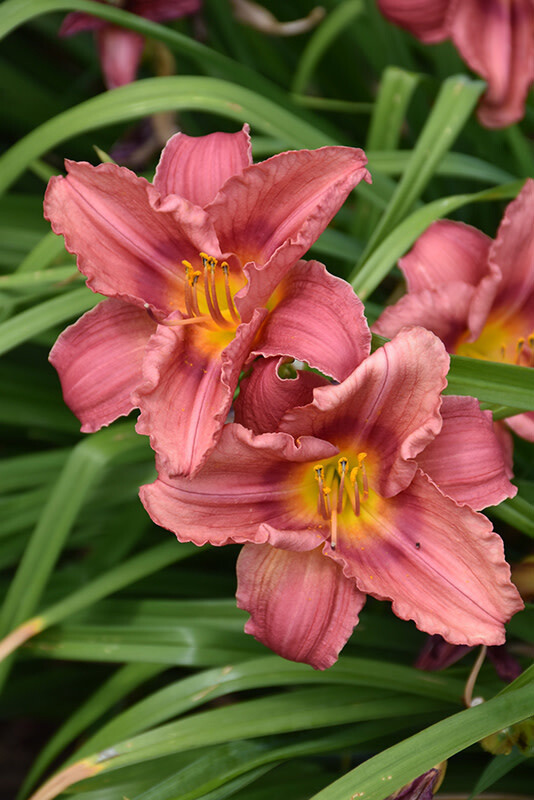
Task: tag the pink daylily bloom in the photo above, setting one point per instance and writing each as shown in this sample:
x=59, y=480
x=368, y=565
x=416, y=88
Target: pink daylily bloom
x=120, y=49
x=494, y=37
x=202, y=270
x=476, y=294
x=332, y=503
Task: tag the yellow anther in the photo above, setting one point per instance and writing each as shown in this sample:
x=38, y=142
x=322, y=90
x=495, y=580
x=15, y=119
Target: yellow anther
x=361, y=457
x=326, y=490
x=353, y=475
x=519, y=348
x=342, y=465
x=224, y=266
x=319, y=472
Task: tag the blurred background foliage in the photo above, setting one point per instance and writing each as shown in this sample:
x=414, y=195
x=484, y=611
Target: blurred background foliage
x=139, y=653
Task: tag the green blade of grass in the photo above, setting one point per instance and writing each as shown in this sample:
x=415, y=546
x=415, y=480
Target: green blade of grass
x=80, y=473
x=302, y=709
x=454, y=104
x=45, y=315
x=149, y=96
x=365, y=279
x=121, y=683
x=322, y=39
x=392, y=769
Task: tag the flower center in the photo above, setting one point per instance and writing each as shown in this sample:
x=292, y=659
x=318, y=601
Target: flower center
x=341, y=486
x=208, y=296
x=497, y=344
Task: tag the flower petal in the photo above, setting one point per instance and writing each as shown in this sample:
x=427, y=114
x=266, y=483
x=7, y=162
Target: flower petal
x=77, y=22
x=317, y=319
x=161, y=10
x=301, y=604
x=443, y=311
x=388, y=407
x=424, y=18
x=465, y=459
x=120, y=53
x=446, y=252
x=495, y=38
x=195, y=167
x=513, y=254
x=129, y=243
x=284, y=202
x=264, y=397
x=99, y=361
x=441, y=564
x=522, y=425
x=187, y=392
x=244, y=493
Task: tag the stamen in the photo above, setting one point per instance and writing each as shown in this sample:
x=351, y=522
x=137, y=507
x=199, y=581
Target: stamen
x=519, y=348
x=365, y=483
x=319, y=477
x=210, y=290
x=356, y=496
x=188, y=294
x=531, y=345
x=229, y=299
x=193, y=280
x=342, y=465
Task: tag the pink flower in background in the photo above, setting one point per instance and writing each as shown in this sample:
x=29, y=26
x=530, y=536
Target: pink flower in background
x=494, y=37
x=476, y=294
x=119, y=48
x=190, y=265
x=339, y=491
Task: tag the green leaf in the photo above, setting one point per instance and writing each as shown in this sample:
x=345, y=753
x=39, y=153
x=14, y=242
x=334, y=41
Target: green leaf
x=121, y=683
x=82, y=469
x=392, y=769
x=41, y=317
x=322, y=38
x=182, y=696
x=145, y=97
x=301, y=709
x=455, y=102
x=366, y=278
x=517, y=512
x=492, y=382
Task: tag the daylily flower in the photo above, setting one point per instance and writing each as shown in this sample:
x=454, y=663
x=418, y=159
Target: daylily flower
x=189, y=264
x=494, y=37
x=359, y=488
x=120, y=49
x=476, y=294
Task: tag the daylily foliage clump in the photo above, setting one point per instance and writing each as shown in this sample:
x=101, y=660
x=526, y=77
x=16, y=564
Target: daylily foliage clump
x=357, y=479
